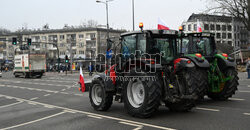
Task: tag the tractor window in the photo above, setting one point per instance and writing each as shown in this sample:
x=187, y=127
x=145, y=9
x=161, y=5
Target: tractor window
x=141, y=45
x=202, y=45
x=163, y=46
x=128, y=45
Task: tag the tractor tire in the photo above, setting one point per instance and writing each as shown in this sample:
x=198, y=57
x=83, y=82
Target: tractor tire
x=141, y=96
x=229, y=88
x=188, y=81
x=202, y=78
x=100, y=99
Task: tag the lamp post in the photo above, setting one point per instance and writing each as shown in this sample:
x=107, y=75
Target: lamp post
x=108, y=40
x=107, y=14
x=133, y=15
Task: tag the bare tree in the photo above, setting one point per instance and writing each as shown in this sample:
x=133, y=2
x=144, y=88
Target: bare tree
x=239, y=9
x=4, y=31
x=92, y=23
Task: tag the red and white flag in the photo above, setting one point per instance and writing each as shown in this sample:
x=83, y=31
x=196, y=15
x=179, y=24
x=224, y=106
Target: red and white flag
x=162, y=25
x=198, y=26
x=81, y=82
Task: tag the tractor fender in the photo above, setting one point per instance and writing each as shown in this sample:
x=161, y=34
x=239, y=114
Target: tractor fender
x=182, y=63
x=225, y=63
x=202, y=63
x=108, y=82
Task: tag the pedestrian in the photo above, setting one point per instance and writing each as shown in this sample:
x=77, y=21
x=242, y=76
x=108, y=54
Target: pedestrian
x=90, y=68
x=248, y=67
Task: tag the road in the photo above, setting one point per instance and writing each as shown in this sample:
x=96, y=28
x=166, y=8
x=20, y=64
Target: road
x=54, y=102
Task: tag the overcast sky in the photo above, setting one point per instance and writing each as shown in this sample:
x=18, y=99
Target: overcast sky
x=36, y=13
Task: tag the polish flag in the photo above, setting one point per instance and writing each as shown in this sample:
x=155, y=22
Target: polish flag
x=81, y=82
x=162, y=25
x=198, y=26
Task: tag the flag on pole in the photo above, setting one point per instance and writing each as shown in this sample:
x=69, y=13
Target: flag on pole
x=162, y=25
x=198, y=26
x=81, y=82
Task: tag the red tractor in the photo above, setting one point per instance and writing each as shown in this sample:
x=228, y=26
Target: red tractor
x=145, y=73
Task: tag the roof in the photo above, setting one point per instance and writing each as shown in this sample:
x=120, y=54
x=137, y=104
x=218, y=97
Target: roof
x=210, y=18
x=170, y=32
x=60, y=31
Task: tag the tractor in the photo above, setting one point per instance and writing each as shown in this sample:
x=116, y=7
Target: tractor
x=218, y=69
x=145, y=74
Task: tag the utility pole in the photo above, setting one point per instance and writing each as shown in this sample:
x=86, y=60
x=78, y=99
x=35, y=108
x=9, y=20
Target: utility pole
x=70, y=51
x=133, y=11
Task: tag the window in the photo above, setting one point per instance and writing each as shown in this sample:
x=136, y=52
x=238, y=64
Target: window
x=81, y=52
x=218, y=27
x=224, y=35
x=224, y=28
x=206, y=27
x=195, y=27
x=128, y=45
x=81, y=36
x=81, y=45
x=61, y=37
x=44, y=38
x=62, y=45
x=212, y=27
x=229, y=35
x=184, y=27
x=73, y=44
x=62, y=53
x=229, y=43
x=218, y=35
x=141, y=45
x=218, y=42
x=189, y=27
x=229, y=28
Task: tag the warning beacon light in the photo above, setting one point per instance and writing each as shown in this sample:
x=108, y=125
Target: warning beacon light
x=180, y=28
x=141, y=26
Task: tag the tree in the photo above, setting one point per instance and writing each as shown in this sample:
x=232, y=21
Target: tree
x=239, y=9
x=4, y=31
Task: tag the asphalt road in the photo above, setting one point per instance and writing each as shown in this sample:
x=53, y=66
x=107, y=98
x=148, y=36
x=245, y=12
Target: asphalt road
x=54, y=102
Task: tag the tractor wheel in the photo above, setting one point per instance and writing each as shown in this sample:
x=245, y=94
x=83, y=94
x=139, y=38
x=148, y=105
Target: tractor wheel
x=99, y=98
x=142, y=96
x=188, y=83
x=229, y=87
x=202, y=80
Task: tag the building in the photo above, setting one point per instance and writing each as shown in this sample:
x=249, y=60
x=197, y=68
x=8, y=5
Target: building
x=84, y=43
x=227, y=30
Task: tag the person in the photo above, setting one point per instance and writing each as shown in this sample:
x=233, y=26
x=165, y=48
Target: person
x=248, y=67
x=90, y=67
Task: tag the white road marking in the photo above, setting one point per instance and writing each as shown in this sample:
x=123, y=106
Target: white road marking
x=94, y=114
x=34, y=98
x=97, y=117
x=244, y=91
x=248, y=114
x=236, y=99
x=30, y=122
x=46, y=95
x=64, y=93
x=63, y=89
x=11, y=104
x=48, y=106
x=207, y=109
x=248, y=86
x=138, y=126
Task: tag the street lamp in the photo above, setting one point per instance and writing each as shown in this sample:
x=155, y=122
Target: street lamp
x=133, y=11
x=106, y=3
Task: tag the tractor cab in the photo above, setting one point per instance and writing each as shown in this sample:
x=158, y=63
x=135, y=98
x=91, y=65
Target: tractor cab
x=198, y=43
x=150, y=44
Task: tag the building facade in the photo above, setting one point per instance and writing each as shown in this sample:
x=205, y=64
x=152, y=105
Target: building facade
x=84, y=43
x=227, y=30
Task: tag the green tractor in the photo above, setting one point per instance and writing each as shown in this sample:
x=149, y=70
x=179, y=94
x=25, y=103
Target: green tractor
x=145, y=73
x=218, y=70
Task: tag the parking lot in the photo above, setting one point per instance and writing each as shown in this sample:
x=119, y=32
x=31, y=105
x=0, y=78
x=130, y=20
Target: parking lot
x=54, y=102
